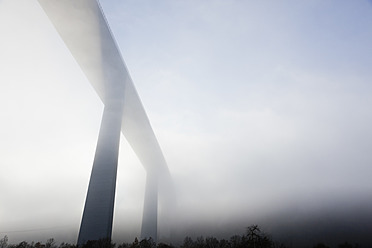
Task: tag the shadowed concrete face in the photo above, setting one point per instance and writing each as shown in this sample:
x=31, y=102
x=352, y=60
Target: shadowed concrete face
x=150, y=208
x=99, y=205
x=83, y=28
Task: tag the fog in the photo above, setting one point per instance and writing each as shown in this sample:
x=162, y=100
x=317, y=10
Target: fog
x=262, y=111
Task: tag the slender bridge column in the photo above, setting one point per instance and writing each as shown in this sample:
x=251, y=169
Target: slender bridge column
x=99, y=205
x=150, y=208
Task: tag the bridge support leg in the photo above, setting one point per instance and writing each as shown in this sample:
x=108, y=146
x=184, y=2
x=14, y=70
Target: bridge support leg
x=150, y=208
x=99, y=205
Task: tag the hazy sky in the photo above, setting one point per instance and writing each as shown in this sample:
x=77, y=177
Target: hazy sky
x=262, y=109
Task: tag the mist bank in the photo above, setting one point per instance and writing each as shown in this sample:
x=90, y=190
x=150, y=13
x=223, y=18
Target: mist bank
x=297, y=223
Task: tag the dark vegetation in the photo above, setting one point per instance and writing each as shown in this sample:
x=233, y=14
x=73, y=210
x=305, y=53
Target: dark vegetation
x=253, y=238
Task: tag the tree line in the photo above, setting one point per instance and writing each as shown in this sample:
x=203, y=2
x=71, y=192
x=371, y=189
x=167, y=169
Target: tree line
x=253, y=238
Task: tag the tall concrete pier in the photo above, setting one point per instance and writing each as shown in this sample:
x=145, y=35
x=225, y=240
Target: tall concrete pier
x=85, y=31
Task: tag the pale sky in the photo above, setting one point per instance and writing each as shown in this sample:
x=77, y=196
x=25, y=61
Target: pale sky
x=262, y=109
